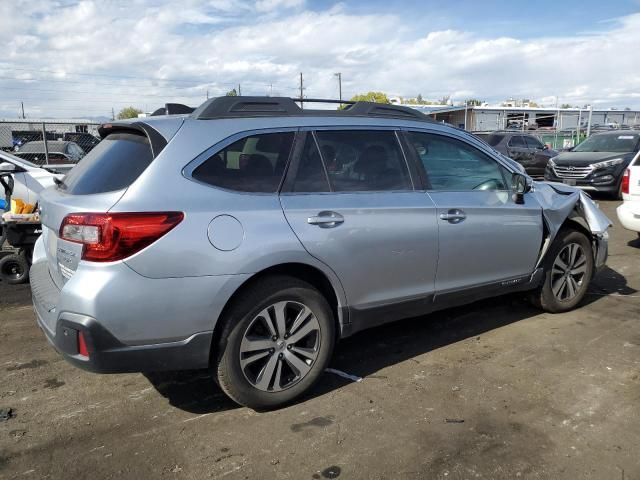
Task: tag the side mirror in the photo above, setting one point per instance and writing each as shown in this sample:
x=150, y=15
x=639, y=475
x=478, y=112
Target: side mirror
x=6, y=167
x=545, y=147
x=520, y=185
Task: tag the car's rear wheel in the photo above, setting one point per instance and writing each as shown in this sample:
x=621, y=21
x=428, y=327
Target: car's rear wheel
x=276, y=341
x=568, y=269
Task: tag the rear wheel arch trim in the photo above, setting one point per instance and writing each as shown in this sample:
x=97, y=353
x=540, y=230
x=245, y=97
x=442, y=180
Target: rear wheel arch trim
x=323, y=281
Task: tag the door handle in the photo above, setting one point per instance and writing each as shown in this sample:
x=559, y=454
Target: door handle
x=453, y=216
x=326, y=219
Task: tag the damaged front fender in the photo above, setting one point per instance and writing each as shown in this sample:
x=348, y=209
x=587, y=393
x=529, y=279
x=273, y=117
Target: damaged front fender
x=560, y=202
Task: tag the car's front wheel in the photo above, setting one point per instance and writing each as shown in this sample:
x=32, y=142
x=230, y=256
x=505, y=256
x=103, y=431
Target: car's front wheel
x=568, y=269
x=277, y=339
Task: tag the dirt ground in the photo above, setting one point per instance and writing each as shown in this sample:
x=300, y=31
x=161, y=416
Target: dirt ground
x=492, y=390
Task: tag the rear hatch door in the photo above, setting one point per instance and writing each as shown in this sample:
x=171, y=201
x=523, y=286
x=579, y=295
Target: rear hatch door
x=95, y=184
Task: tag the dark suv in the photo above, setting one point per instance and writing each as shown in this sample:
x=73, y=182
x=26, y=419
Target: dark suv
x=524, y=148
x=84, y=140
x=597, y=164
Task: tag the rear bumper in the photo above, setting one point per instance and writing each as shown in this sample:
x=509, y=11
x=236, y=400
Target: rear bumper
x=629, y=215
x=130, y=323
x=107, y=354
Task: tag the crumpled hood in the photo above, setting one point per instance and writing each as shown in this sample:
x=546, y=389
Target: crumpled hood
x=559, y=200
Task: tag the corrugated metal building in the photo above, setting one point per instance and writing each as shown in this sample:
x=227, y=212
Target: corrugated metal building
x=498, y=118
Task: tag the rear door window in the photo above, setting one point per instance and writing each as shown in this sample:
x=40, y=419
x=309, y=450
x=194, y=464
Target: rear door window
x=363, y=161
x=517, y=141
x=114, y=164
x=310, y=176
x=533, y=142
x=252, y=164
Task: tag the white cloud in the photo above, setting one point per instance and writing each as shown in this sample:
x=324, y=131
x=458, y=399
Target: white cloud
x=270, y=5
x=92, y=55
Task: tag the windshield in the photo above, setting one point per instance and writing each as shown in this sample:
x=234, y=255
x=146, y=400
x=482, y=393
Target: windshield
x=619, y=143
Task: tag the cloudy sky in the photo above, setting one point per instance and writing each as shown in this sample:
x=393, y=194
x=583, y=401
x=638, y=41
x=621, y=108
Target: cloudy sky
x=67, y=58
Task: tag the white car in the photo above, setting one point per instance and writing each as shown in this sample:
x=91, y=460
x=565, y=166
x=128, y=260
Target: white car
x=29, y=178
x=629, y=211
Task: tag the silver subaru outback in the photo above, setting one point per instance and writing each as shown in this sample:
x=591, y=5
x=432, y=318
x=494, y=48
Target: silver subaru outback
x=250, y=235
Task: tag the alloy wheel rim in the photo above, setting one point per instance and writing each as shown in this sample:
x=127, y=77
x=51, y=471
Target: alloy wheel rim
x=568, y=272
x=280, y=346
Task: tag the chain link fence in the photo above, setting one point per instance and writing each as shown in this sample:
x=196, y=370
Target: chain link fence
x=47, y=142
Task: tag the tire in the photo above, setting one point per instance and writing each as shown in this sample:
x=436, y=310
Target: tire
x=14, y=269
x=251, y=329
x=555, y=285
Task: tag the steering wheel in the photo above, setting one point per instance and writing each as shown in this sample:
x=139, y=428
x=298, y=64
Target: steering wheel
x=491, y=184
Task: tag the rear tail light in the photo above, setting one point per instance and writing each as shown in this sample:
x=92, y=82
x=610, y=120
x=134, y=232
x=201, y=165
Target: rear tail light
x=625, y=181
x=108, y=237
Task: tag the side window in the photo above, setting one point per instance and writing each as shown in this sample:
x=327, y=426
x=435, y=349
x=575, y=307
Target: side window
x=363, y=161
x=453, y=165
x=311, y=176
x=517, y=141
x=533, y=142
x=251, y=164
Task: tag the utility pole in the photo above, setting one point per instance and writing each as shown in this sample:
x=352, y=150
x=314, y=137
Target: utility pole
x=301, y=91
x=239, y=91
x=466, y=106
x=207, y=94
x=113, y=114
x=339, y=75
x=22, y=104
x=589, y=121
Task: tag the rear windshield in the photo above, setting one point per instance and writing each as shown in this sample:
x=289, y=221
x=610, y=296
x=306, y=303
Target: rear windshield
x=493, y=140
x=622, y=142
x=112, y=165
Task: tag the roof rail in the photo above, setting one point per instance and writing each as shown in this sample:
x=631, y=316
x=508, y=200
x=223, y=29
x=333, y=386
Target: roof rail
x=173, y=109
x=244, y=107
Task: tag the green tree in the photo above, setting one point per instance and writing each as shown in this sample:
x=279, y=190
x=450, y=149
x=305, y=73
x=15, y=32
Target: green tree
x=232, y=93
x=474, y=102
x=566, y=105
x=534, y=105
x=376, y=97
x=128, y=112
x=444, y=100
x=419, y=99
